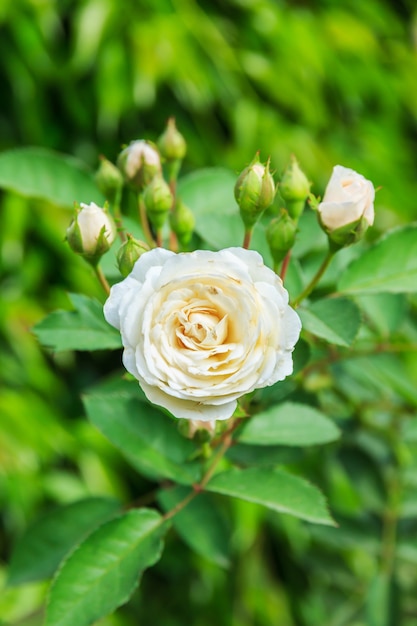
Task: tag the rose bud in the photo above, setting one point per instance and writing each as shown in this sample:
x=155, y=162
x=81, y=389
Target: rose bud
x=139, y=163
x=91, y=232
x=128, y=254
x=347, y=208
x=254, y=191
x=182, y=222
x=171, y=143
x=280, y=235
x=294, y=188
x=109, y=179
x=158, y=200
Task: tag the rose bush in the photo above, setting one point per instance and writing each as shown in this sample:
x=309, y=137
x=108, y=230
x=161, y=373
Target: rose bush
x=348, y=199
x=201, y=329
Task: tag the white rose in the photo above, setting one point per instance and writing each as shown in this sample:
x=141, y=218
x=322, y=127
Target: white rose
x=201, y=329
x=348, y=199
x=92, y=232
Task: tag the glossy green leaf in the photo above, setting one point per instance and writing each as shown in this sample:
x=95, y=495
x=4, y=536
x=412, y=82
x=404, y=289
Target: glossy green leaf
x=389, y=266
x=200, y=524
x=148, y=438
x=384, y=312
x=289, y=424
x=102, y=573
x=44, y=544
x=40, y=173
x=84, y=328
x=275, y=489
x=337, y=320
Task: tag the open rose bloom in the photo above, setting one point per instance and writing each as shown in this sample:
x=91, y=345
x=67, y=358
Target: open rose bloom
x=201, y=329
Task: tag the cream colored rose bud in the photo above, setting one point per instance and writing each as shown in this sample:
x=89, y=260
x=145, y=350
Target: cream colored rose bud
x=139, y=163
x=294, y=188
x=254, y=191
x=91, y=232
x=347, y=208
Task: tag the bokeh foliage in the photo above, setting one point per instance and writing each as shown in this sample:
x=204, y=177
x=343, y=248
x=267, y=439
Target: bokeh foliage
x=332, y=82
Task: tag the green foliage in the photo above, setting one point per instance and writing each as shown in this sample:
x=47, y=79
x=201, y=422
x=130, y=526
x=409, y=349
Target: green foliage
x=148, y=438
x=336, y=320
x=81, y=329
x=275, y=489
x=105, y=569
x=44, y=545
x=389, y=267
x=43, y=174
x=201, y=525
x=289, y=424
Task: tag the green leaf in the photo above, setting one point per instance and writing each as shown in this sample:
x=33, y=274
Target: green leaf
x=337, y=320
x=388, y=267
x=200, y=524
x=148, y=438
x=384, y=312
x=102, y=573
x=409, y=430
x=82, y=329
x=40, y=173
x=275, y=489
x=45, y=543
x=209, y=193
x=289, y=424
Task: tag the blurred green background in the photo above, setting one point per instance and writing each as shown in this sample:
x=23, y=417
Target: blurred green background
x=332, y=82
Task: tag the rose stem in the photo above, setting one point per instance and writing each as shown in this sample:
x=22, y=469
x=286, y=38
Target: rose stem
x=285, y=264
x=117, y=214
x=314, y=280
x=144, y=223
x=173, y=241
x=102, y=279
x=226, y=442
x=246, y=239
x=159, y=242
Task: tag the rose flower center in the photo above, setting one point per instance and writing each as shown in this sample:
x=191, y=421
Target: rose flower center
x=201, y=327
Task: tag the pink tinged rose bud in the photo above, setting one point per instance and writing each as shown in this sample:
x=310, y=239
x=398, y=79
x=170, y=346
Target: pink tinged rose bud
x=92, y=232
x=202, y=329
x=139, y=163
x=347, y=208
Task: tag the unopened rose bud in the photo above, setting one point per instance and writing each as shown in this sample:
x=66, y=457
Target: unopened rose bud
x=91, y=232
x=139, y=163
x=171, y=143
x=254, y=191
x=158, y=200
x=294, y=188
x=109, y=179
x=280, y=235
x=199, y=430
x=347, y=208
x=128, y=254
x=182, y=222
